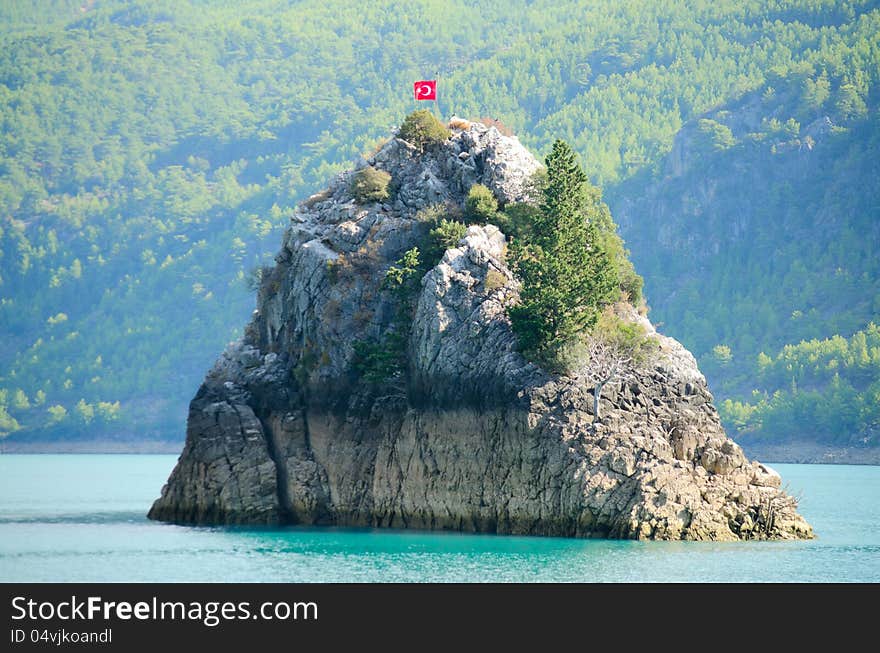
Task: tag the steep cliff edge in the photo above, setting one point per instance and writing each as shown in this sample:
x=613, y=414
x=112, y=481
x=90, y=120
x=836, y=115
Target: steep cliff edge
x=472, y=437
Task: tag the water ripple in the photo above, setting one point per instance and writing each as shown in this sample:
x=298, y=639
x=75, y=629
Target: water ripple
x=83, y=518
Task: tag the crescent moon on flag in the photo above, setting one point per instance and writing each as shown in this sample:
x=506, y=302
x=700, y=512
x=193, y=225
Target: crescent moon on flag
x=424, y=89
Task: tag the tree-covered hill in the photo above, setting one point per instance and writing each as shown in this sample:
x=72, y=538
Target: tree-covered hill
x=760, y=250
x=151, y=153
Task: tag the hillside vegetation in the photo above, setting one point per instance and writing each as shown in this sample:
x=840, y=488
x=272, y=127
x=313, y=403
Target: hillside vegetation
x=765, y=245
x=152, y=152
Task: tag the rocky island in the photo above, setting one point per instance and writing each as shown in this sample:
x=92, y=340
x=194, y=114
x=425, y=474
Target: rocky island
x=467, y=434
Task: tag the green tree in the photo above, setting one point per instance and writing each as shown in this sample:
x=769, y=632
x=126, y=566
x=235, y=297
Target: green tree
x=403, y=276
x=714, y=136
x=370, y=185
x=516, y=220
x=445, y=235
x=57, y=413
x=849, y=103
x=722, y=354
x=480, y=206
x=383, y=361
x=421, y=128
x=816, y=92
x=567, y=277
x=85, y=411
x=379, y=361
x=20, y=400
x=108, y=411
x=8, y=423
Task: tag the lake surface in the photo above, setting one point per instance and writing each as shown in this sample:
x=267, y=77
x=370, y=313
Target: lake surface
x=83, y=518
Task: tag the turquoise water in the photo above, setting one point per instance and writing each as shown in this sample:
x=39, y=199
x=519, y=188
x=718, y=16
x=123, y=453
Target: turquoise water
x=82, y=518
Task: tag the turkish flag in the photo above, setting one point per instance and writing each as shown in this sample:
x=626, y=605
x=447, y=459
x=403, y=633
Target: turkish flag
x=425, y=89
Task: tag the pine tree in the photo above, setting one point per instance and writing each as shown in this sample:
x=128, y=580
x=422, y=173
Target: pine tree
x=567, y=276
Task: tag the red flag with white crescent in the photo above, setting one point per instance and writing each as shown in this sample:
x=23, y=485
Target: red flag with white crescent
x=425, y=89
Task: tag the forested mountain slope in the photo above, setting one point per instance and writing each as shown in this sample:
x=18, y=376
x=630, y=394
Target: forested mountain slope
x=151, y=153
x=759, y=241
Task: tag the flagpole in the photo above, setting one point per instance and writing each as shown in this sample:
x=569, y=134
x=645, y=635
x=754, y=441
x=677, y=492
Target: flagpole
x=437, y=96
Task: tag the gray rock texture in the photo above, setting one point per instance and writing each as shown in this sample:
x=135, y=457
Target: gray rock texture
x=472, y=437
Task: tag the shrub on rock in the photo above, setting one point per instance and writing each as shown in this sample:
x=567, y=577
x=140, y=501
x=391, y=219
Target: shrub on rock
x=480, y=206
x=370, y=185
x=445, y=235
x=421, y=128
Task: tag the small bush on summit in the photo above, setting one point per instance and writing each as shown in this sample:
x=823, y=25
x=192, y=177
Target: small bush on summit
x=421, y=128
x=370, y=185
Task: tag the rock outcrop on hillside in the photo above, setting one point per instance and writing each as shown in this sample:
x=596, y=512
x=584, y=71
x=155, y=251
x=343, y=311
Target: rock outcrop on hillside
x=472, y=437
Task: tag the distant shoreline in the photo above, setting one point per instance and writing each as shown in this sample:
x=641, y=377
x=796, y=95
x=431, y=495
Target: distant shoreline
x=814, y=453
x=92, y=446
x=803, y=452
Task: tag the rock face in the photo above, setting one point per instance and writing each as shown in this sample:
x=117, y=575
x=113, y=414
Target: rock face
x=473, y=437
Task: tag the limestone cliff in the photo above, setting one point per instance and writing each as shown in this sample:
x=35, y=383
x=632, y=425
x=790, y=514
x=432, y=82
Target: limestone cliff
x=472, y=437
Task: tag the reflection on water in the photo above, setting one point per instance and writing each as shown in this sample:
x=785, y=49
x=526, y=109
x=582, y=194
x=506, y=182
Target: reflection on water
x=82, y=518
